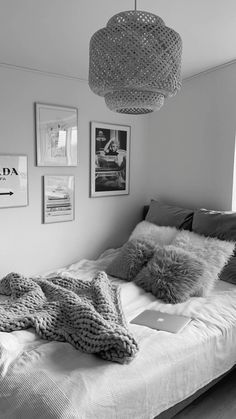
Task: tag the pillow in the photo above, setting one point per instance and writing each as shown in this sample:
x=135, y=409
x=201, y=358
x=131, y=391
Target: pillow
x=133, y=255
x=172, y=274
x=220, y=224
x=214, y=254
x=169, y=215
x=160, y=235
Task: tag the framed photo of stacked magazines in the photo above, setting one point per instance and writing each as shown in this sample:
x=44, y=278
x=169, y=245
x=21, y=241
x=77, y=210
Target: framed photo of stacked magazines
x=110, y=159
x=58, y=203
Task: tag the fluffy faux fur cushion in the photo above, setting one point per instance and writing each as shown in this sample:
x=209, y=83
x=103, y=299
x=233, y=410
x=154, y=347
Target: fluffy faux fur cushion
x=160, y=235
x=133, y=255
x=213, y=253
x=172, y=274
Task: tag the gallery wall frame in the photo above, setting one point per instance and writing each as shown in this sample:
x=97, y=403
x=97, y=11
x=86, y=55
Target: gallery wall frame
x=109, y=159
x=56, y=130
x=13, y=180
x=58, y=198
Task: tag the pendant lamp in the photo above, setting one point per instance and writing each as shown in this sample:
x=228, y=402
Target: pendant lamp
x=135, y=62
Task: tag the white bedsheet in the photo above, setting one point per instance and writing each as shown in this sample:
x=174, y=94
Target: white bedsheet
x=52, y=380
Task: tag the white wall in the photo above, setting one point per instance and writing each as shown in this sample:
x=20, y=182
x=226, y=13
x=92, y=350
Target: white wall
x=192, y=143
x=27, y=245
x=183, y=153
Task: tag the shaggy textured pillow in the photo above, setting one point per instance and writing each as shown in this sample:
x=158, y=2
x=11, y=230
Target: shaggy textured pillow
x=220, y=224
x=133, y=255
x=160, y=235
x=172, y=274
x=213, y=253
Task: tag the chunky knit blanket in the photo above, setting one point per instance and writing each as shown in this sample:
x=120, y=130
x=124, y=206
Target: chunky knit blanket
x=87, y=314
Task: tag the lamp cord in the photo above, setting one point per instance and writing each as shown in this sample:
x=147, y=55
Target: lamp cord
x=135, y=5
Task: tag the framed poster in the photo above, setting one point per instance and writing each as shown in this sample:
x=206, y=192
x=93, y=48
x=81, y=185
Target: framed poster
x=58, y=198
x=110, y=156
x=13, y=181
x=56, y=135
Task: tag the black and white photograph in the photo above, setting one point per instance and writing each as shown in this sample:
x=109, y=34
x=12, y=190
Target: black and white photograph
x=110, y=159
x=58, y=199
x=118, y=209
x=57, y=135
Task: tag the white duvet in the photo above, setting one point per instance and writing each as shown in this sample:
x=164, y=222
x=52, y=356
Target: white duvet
x=52, y=380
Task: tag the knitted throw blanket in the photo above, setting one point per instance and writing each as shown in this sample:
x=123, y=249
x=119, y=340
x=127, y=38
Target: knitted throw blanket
x=87, y=314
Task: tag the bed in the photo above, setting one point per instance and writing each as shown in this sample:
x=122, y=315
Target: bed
x=52, y=380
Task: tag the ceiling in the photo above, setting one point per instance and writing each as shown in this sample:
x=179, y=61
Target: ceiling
x=53, y=35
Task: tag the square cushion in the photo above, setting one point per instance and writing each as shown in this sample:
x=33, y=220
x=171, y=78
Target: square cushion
x=220, y=224
x=172, y=274
x=214, y=254
x=169, y=215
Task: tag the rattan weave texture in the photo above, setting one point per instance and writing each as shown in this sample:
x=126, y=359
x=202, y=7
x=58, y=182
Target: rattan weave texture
x=135, y=62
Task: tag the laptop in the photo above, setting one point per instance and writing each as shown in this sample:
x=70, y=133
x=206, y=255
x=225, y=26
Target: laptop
x=173, y=323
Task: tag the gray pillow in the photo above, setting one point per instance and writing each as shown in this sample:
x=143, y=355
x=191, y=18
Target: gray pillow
x=169, y=215
x=131, y=258
x=220, y=224
x=172, y=274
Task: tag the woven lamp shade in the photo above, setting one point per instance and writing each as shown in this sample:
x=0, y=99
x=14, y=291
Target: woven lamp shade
x=135, y=62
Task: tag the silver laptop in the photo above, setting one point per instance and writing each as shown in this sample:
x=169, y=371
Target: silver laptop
x=173, y=323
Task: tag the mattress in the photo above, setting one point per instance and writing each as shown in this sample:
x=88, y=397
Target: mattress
x=51, y=380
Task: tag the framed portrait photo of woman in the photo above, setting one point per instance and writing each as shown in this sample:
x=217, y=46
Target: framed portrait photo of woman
x=110, y=159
